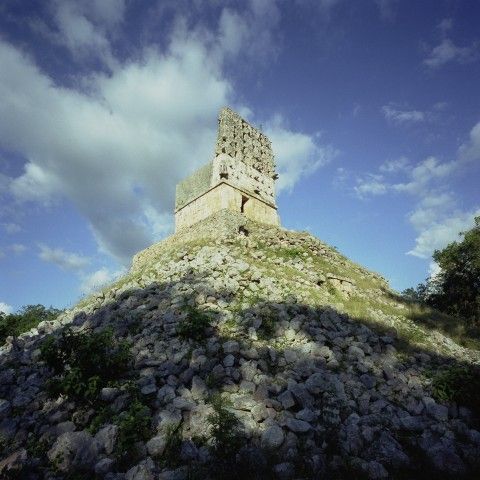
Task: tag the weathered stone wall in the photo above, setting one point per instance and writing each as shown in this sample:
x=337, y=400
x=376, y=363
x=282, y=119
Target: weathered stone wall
x=225, y=196
x=244, y=161
x=261, y=212
x=240, y=140
x=193, y=186
x=243, y=176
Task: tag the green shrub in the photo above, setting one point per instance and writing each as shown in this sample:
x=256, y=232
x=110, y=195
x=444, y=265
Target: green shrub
x=225, y=441
x=291, y=253
x=134, y=425
x=103, y=415
x=25, y=319
x=267, y=327
x=225, y=431
x=173, y=443
x=83, y=363
x=460, y=384
x=193, y=325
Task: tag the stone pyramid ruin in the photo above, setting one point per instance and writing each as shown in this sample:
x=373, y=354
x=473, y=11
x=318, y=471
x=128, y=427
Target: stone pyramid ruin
x=237, y=349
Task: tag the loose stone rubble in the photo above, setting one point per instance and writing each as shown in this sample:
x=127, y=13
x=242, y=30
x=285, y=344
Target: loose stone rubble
x=315, y=371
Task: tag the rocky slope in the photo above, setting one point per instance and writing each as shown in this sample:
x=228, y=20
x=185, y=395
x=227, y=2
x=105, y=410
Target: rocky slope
x=247, y=339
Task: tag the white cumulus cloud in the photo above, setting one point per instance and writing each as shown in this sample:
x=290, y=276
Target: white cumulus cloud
x=371, y=185
x=296, y=154
x=5, y=308
x=118, y=151
x=440, y=233
x=98, y=279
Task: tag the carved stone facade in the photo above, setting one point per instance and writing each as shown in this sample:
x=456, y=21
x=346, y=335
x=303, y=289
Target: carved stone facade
x=241, y=177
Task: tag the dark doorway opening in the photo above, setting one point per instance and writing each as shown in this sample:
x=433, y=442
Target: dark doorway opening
x=244, y=201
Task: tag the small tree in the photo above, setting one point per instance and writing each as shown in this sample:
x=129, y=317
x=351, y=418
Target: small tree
x=456, y=288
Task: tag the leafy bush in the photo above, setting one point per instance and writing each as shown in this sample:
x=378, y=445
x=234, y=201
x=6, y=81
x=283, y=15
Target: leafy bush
x=460, y=384
x=134, y=425
x=26, y=318
x=225, y=431
x=194, y=325
x=291, y=253
x=84, y=362
x=267, y=327
x=173, y=444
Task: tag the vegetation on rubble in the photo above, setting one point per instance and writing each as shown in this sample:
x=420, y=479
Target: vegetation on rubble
x=27, y=317
x=455, y=289
x=194, y=325
x=84, y=362
x=459, y=384
x=134, y=425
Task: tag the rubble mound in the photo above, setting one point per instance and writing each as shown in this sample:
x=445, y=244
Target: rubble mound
x=252, y=352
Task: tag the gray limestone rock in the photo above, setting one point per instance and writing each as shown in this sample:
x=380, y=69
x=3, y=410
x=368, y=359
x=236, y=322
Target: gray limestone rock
x=272, y=437
x=199, y=389
x=306, y=415
x=108, y=394
x=301, y=395
x=5, y=408
x=156, y=445
x=436, y=411
x=106, y=438
x=388, y=451
x=149, y=389
x=12, y=465
x=368, y=380
x=284, y=471
x=229, y=361
x=286, y=399
x=297, y=426
x=104, y=466
x=355, y=352
x=74, y=450
x=376, y=470
x=142, y=471
x=231, y=347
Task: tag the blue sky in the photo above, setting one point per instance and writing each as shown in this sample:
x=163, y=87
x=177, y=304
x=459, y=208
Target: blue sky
x=372, y=106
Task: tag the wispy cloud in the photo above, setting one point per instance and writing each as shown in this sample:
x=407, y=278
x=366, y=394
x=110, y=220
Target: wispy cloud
x=371, y=185
x=11, y=228
x=436, y=218
x=387, y=9
x=401, y=116
x=396, y=165
x=18, y=248
x=63, y=259
x=423, y=174
x=15, y=248
x=446, y=52
x=445, y=25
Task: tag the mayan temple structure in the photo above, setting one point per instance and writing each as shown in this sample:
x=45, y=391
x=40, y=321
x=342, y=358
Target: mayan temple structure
x=241, y=177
